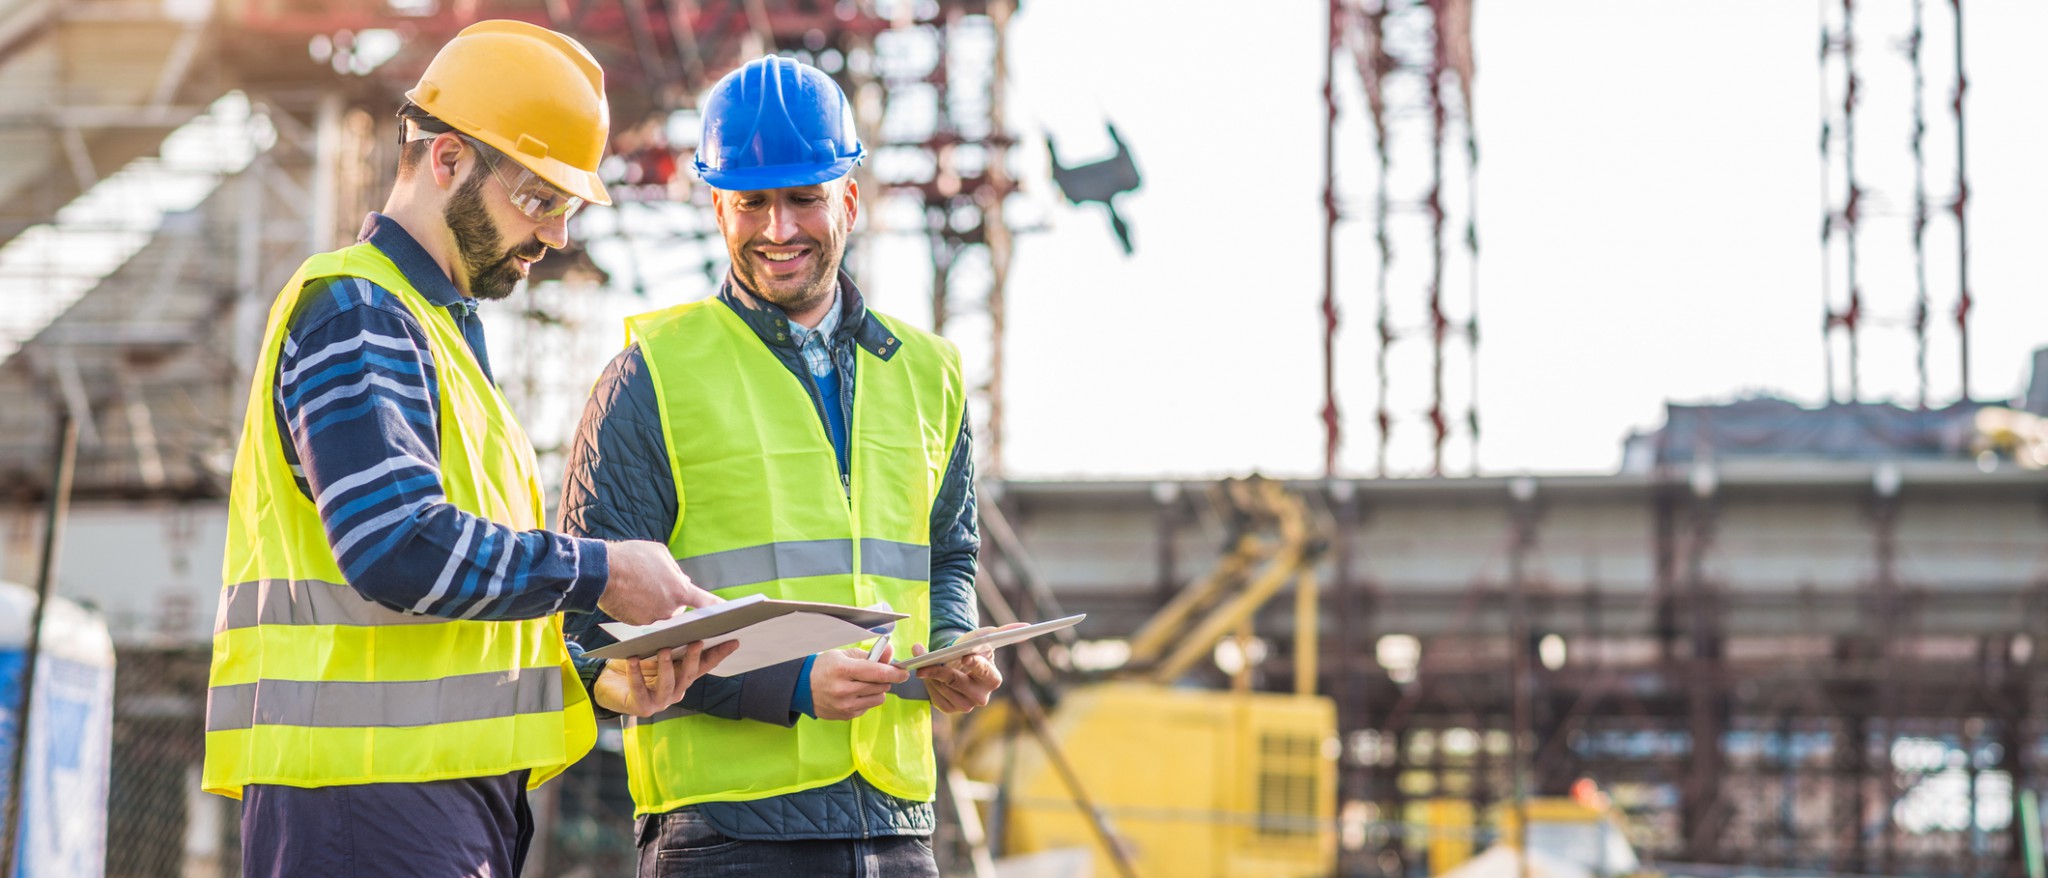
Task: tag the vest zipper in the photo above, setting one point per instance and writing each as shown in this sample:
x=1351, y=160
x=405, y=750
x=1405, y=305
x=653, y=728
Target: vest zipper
x=860, y=801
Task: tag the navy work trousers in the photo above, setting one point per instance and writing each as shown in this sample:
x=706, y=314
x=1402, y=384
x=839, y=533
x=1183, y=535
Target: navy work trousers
x=476, y=827
x=680, y=844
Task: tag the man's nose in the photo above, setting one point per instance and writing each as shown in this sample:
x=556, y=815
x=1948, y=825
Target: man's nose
x=554, y=231
x=782, y=224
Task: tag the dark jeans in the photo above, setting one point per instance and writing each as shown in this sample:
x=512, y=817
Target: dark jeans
x=476, y=827
x=680, y=844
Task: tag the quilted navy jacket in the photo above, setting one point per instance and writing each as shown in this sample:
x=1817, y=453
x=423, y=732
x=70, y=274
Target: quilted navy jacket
x=619, y=487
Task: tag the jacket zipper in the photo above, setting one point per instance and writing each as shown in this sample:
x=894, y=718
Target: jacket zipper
x=810, y=383
x=846, y=488
x=860, y=801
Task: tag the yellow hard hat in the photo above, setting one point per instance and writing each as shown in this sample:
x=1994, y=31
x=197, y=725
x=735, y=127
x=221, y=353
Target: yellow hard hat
x=533, y=94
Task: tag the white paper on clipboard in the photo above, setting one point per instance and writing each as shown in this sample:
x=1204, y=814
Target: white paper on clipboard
x=769, y=631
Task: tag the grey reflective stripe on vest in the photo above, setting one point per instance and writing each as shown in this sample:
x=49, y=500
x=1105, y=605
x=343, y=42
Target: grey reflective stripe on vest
x=769, y=562
x=329, y=704
x=908, y=690
x=896, y=560
x=795, y=559
x=304, y=602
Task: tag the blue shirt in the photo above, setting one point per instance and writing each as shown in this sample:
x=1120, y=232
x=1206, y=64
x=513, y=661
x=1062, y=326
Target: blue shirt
x=815, y=345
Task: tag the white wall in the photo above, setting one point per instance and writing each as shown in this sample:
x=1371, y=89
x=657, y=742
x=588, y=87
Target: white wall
x=152, y=568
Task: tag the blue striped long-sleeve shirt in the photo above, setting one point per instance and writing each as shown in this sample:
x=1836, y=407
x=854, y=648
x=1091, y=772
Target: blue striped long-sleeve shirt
x=356, y=399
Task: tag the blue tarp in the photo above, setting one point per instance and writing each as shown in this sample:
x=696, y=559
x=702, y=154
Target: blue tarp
x=63, y=827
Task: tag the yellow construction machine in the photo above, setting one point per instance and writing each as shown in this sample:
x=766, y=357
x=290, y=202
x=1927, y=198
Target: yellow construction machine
x=1567, y=837
x=1158, y=778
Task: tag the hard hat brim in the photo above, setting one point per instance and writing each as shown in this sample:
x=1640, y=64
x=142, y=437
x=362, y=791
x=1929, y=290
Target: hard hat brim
x=777, y=177
x=573, y=180
x=566, y=177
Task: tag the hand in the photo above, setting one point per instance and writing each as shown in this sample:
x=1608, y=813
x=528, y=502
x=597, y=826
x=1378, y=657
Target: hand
x=964, y=683
x=643, y=687
x=844, y=684
x=646, y=586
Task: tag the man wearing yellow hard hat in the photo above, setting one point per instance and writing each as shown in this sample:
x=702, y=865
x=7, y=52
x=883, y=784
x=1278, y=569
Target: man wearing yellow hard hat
x=389, y=676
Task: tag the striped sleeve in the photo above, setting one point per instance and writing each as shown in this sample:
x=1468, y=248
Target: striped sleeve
x=356, y=395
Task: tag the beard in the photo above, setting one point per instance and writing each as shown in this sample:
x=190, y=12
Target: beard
x=492, y=269
x=795, y=295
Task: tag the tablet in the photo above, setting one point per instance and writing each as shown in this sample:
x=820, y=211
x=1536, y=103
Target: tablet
x=1000, y=638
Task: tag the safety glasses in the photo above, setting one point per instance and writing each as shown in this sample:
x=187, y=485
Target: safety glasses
x=535, y=197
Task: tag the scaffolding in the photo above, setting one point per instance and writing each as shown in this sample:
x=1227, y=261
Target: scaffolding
x=1831, y=672
x=1414, y=60
x=926, y=77
x=151, y=352
x=1849, y=312
x=1796, y=671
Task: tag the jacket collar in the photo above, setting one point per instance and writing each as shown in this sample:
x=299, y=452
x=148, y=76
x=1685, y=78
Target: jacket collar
x=771, y=323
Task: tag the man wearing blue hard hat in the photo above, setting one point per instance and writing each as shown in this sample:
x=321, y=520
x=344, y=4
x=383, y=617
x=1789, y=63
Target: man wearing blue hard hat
x=784, y=439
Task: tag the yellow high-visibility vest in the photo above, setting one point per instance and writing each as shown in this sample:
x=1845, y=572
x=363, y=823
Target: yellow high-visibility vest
x=314, y=685
x=761, y=509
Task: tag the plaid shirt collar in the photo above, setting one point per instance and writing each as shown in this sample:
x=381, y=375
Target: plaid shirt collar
x=849, y=318
x=815, y=344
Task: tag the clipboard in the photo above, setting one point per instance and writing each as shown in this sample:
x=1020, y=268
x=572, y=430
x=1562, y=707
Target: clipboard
x=769, y=631
x=1000, y=638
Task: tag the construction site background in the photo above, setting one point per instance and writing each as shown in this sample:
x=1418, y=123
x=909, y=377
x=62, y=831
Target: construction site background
x=1781, y=637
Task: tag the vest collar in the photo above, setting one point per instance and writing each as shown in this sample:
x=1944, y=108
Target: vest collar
x=771, y=323
x=420, y=270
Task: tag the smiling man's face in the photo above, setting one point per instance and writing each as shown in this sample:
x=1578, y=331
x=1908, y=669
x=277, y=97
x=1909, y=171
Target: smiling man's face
x=786, y=244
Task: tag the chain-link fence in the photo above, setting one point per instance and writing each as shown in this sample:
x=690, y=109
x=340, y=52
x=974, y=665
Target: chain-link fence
x=585, y=817
x=160, y=825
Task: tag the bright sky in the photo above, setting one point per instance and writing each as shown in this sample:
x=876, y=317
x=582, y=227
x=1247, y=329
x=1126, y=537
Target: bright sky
x=1649, y=203
x=1650, y=199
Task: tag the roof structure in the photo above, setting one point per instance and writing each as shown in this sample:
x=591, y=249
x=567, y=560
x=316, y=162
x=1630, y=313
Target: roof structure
x=138, y=311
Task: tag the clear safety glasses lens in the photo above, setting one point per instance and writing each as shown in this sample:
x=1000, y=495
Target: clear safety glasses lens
x=535, y=197
x=539, y=199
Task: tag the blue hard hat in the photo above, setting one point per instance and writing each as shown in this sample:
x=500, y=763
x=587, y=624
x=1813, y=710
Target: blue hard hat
x=776, y=122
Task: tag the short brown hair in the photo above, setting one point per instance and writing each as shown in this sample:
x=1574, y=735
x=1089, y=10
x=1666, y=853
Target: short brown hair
x=412, y=152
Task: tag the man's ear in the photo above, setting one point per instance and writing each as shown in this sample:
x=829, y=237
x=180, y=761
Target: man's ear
x=852, y=197
x=718, y=209
x=443, y=155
